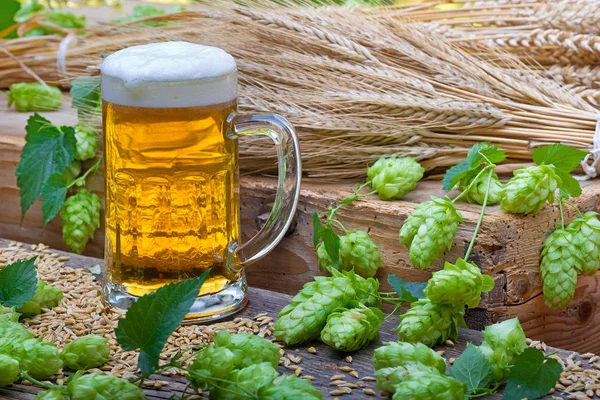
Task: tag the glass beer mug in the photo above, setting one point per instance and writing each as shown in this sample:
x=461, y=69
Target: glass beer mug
x=172, y=199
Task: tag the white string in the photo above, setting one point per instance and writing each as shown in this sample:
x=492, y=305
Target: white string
x=591, y=171
x=61, y=56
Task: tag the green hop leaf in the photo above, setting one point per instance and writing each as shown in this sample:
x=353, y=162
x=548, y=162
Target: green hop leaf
x=331, y=241
x=85, y=352
x=9, y=370
x=86, y=97
x=80, y=215
x=153, y=317
x=48, y=150
x=586, y=236
x=29, y=97
x=287, y=387
x=248, y=349
x=316, y=228
x=563, y=158
x=430, y=323
x=352, y=329
x=561, y=259
x=102, y=386
x=53, y=196
x=472, y=368
x=393, y=354
x=407, y=291
x=393, y=177
x=462, y=282
x=532, y=376
x=502, y=343
x=87, y=141
x=52, y=394
x=390, y=377
x=10, y=8
x=463, y=173
x=324, y=261
x=429, y=230
x=45, y=296
x=529, y=189
x=18, y=283
x=60, y=18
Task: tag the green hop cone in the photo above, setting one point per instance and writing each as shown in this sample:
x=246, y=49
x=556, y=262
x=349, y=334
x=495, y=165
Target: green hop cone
x=561, y=260
x=367, y=289
x=389, y=378
x=211, y=362
x=430, y=387
x=289, y=387
x=248, y=349
x=102, y=387
x=45, y=296
x=305, y=317
x=86, y=142
x=9, y=370
x=86, y=352
x=353, y=329
x=476, y=194
x=72, y=172
x=429, y=323
x=586, y=235
x=324, y=261
x=358, y=252
x=429, y=230
x=52, y=394
x=12, y=329
x=244, y=383
x=34, y=97
x=529, y=189
x=457, y=283
x=80, y=216
x=502, y=343
x=8, y=315
x=393, y=354
x=40, y=359
x=393, y=177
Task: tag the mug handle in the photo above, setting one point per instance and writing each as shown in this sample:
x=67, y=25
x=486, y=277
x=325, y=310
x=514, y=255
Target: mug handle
x=288, y=186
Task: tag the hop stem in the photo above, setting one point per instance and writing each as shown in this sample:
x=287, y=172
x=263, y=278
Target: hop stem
x=82, y=178
x=25, y=375
x=482, y=213
x=574, y=207
x=562, y=215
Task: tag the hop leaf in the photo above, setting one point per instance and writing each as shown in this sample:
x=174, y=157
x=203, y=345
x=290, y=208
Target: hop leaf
x=561, y=260
x=462, y=282
x=45, y=297
x=102, y=386
x=80, y=216
x=286, y=387
x=430, y=387
x=87, y=141
x=34, y=97
x=86, y=352
x=529, y=189
x=502, y=344
x=392, y=354
x=586, y=236
x=390, y=377
x=352, y=329
x=9, y=370
x=476, y=194
x=393, y=177
x=430, y=323
x=324, y=261
x=358, y=252
x=429, y=230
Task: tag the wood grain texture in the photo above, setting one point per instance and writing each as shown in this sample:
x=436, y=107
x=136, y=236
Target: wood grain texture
x=322, y=365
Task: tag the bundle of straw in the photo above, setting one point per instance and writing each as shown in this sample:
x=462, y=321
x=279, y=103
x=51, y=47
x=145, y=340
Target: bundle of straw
x=355, y=87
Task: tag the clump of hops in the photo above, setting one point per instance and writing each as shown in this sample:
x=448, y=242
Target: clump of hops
x=529, y=189
x=80, y=215
x=393, y=177
x=429, y=230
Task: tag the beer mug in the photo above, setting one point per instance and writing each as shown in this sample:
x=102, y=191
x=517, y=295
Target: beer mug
x=172, y=198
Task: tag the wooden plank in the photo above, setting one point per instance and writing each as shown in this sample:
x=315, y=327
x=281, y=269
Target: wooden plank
x=322, y=365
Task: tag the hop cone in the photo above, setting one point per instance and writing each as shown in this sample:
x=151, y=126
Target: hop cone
x=72, y=172
x=52, y=394
x=358, y=252
x=325, y=262
x=245, y=382
x=248, y=349
x=34, y=97
x=457, y=283
x=86, y=142
x=477, y=192
x=80, y=216
x=529, y=189
x=392, y=178
x=9, y=370
x=561, y=259
x=502, y=344
x=388, y=378
x=367, y=289
x=289, y=387
x=45, y=297
x=13, y=330
x=304, y=319
x=429, y=323
x=40, y=359
x=430, y=387
x=86, y=352
x=394, y=354
x=586, y=235
x=429, y=230
x=102, y=387
x=353, y=329
x=211, y=362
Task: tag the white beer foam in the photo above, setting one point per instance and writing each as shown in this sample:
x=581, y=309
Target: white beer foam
x=169, y=75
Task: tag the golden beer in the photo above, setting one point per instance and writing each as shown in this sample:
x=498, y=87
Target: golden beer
x=172, y=198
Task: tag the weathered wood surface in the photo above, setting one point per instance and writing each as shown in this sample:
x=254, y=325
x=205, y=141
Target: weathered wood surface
x=322, y=365
x=507, y=248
